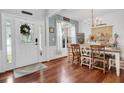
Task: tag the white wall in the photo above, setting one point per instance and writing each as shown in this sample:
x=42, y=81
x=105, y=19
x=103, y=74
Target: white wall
x=85, y=28
x=116, y=19
x=0, y=46
x=51, y=12
x=50, y=50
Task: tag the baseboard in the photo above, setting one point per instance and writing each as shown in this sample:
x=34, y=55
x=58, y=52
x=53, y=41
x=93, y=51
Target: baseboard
x=57, y=58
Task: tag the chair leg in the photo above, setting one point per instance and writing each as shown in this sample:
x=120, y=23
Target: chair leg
x=81, y=62
x=68, y=58
x=72, y=60
x=90, y=64
x=104, y=67
x=110, y=64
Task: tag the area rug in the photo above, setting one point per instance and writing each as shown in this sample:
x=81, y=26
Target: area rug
x=19, y=72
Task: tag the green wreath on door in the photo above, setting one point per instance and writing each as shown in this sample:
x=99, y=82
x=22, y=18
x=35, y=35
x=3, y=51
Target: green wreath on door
x=25, y=30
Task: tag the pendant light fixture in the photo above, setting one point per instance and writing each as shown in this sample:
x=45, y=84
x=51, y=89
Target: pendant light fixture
x=92, y=18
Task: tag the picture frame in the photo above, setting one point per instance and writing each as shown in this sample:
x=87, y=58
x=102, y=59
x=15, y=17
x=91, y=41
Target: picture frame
x=51, y=29
x=80, y=38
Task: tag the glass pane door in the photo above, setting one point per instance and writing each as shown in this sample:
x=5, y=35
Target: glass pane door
x=8, y=27
x=8, y=42
x=66, y=34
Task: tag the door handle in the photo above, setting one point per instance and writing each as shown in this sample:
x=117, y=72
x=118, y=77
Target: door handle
x=36, y=41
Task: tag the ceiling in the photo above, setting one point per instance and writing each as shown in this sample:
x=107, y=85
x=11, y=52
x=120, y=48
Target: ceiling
x=80, y=14
x=37, y=13
x=76, y=14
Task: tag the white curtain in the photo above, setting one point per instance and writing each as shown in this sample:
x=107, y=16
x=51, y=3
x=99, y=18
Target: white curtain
x=73, y=34
x=59, y=37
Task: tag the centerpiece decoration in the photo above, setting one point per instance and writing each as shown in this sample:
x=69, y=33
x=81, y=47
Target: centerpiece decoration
x=92, y=38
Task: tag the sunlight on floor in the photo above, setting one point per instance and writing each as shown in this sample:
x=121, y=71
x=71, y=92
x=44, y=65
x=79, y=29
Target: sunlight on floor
x=64, y=75
x=9, y=79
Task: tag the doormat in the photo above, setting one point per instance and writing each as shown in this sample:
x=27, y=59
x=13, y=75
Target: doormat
x=20, y=72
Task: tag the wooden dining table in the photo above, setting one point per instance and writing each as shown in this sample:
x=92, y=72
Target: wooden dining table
x=113, y=51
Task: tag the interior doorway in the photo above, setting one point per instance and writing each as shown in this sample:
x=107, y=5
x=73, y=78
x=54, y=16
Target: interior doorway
x=66, y=34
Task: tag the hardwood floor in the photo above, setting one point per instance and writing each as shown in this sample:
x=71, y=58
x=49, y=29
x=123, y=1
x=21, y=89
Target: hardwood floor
x=60, y=71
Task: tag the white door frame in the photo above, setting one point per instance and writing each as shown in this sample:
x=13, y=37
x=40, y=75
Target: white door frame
x=3, y=52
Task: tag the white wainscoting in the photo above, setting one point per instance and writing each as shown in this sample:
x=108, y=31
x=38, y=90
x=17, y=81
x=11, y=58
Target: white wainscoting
x=0, y=58
x=1, y=69
x=53, y=53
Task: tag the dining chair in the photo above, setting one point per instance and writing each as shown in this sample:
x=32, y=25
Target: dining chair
x=86, y=57
x=70, y=53
x=76, y=53
x=112, y=60
x=99, y=57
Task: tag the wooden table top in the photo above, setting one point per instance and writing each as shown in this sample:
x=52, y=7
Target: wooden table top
x=107, y=49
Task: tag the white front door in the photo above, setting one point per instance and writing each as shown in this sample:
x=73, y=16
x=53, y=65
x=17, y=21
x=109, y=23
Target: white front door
x=16, y=51
x=27, y=50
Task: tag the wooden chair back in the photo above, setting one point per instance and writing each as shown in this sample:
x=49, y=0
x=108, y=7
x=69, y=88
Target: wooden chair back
x=98, y=51
x=75, y=49
x=86, y=51
x=70, y=53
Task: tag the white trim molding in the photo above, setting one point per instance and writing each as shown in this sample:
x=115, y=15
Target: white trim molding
x=1, y=62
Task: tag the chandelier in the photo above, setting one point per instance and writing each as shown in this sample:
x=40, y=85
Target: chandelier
x=96, y=21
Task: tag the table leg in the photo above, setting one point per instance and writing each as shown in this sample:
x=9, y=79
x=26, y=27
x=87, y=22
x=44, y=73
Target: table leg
x=110, y=63
x=117, y=63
